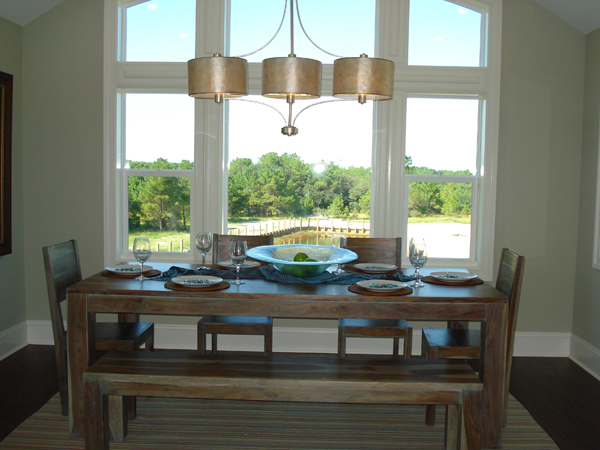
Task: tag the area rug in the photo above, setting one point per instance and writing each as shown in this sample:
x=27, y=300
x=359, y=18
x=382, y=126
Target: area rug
x=173, y=424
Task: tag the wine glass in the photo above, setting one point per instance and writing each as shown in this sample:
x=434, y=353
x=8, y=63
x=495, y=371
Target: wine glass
x=417, y=253
x=142, y=252
x=203, y=244
x=238, y=253
x=338, y=240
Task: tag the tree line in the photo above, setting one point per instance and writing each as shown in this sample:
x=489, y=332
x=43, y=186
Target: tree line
x=284, y=186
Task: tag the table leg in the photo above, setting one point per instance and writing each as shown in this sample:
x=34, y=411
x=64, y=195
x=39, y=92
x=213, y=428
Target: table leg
x=80, y=338
x=493, y=356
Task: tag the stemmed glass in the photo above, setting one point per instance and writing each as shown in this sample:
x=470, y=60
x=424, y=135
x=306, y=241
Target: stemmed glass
x=338, y=240
x=238, y=253
x=142, y=252
x=417, y=253
x=203, y=244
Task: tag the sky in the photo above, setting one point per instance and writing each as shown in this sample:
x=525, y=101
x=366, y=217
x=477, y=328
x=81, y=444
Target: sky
x=442, y=133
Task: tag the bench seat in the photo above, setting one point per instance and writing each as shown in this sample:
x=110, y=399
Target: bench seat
x=292, y=378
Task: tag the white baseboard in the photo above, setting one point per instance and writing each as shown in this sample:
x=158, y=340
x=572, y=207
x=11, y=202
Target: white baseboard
x=586, y=355
x=13, y=339
x=312, y=340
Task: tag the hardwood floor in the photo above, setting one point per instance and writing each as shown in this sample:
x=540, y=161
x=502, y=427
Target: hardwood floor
x=560, y=395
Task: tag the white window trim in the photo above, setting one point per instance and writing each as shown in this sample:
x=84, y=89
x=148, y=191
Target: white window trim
x=388, y=180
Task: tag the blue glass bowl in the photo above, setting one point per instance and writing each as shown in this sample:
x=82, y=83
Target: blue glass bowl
x=282, y=257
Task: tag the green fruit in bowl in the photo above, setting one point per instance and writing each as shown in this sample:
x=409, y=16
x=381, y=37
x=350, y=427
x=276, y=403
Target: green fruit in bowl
x=301, y=257
x=310, y=260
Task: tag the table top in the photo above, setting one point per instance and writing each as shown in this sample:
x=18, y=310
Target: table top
x=267, y=298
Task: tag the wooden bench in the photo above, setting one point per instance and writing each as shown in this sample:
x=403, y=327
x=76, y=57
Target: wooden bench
x=285, y=378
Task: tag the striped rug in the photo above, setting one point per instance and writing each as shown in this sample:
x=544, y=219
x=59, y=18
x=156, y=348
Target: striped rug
x=173, y=424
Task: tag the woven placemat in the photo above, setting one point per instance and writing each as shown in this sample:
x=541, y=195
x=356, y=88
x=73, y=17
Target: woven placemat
x=471, y=282
x=149, y=274
x=362, y=291
x=213, y=287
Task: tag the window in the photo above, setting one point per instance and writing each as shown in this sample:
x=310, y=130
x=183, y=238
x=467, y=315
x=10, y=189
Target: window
x=445, y=104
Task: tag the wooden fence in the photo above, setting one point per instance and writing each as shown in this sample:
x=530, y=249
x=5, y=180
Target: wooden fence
x=289, y=226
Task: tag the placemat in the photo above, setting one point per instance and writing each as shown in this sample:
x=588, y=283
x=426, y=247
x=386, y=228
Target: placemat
x=109, y=274
x=471, y=282
x=362, y=291
x=180, y=287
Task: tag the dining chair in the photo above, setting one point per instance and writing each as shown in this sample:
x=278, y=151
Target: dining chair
x=376, y=250
x=458, y=342
x=63, y=269
x=240, y=325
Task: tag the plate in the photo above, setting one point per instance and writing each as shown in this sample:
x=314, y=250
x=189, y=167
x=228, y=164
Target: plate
x=375, y=267
x=453, y=276
x=381, y=285
x=196, y=280
x=128, y=269
x=245, y=265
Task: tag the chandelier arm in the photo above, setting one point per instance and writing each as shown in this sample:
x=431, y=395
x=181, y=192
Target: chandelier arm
x=274, y=36
x=321, y=103
x=306, y=34
x=237, y=99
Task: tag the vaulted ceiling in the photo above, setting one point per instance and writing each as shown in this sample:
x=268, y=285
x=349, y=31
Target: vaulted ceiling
x=582, y=14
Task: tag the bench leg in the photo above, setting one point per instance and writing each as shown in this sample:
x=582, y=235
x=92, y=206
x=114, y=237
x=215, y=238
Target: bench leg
x=96, y=432
x=472, y=420
x=118, y=415
x=452, y=435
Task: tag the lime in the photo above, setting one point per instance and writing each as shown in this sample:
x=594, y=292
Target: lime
x=310, y=260
x=300, y=257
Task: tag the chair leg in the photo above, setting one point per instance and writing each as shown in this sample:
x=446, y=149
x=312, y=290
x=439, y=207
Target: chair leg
x=429, y=409
x=213, y=342
x=396, y=348
x=408, y=343
x=150, y=343
x=201, y=338
x=269, y=341
x=341, y=342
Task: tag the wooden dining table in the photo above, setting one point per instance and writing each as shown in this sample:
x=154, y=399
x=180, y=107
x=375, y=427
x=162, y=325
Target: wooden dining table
x=128, y=298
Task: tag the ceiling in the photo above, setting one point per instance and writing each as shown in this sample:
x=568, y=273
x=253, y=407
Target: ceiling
x=582, y=14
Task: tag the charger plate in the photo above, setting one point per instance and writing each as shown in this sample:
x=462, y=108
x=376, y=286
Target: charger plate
x=362, y=291
x=470, y=282
x=211, y=287
x=148, y=274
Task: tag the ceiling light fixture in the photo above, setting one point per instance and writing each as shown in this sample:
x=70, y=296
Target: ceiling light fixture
x=291, y=78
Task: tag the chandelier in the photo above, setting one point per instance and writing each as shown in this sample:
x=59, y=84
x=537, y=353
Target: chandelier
x=291, y=78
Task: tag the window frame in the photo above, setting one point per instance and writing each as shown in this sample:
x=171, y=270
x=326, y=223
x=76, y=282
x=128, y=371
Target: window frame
x=388, y=179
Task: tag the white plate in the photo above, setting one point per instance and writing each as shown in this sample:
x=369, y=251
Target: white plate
x=375, y=267
x=196, y=280
x=245, y=264
x=453, y=276
x=123, y=270
x=381, y=285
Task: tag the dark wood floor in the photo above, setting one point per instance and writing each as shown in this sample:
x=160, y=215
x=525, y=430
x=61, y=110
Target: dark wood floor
x=560, y=395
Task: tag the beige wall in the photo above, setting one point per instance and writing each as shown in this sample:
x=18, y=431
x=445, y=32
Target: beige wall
x=62, y=183
x=12, y=290
x=586, y=311
x=539, y=159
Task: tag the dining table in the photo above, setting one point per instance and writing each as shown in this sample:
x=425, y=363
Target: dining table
x=128, y=298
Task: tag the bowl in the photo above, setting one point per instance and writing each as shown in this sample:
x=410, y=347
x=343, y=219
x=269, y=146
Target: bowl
x=282, y=257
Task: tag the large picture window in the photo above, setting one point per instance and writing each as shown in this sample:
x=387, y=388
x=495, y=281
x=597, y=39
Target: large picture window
x=422, y=164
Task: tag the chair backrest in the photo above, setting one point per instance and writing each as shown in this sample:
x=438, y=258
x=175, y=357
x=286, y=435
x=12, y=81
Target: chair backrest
x=221, y=243
x=510, y=275
x=61, y=262
x=376, y=250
